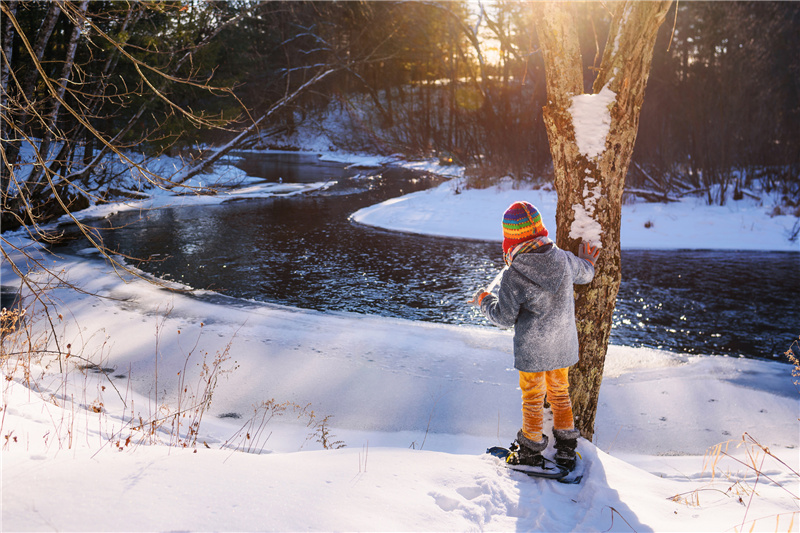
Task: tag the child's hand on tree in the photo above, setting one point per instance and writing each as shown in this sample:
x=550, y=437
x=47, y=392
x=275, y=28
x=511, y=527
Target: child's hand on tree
x=589, y=252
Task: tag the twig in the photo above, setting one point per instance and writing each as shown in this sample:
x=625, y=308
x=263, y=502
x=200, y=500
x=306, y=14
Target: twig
x=430, y=417
x=753, y=492
x=612, y=520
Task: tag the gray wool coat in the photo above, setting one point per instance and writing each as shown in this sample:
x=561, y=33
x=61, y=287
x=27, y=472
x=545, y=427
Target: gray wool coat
x=536, y=297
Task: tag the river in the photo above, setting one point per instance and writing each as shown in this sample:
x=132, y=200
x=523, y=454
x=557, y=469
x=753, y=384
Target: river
x=304, y=251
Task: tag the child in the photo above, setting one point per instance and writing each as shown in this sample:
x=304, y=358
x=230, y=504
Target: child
x=536, y=297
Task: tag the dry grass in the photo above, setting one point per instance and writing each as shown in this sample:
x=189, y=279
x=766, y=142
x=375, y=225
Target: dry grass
x=27, y=358
x=252, y=437
x=793, y=354
x=760, y=466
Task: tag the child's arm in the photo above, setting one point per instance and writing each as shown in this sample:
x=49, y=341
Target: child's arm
x=477, y=298
x=502, y=310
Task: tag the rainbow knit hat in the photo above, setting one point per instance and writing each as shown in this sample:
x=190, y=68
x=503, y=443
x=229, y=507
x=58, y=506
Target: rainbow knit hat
x=521, y=222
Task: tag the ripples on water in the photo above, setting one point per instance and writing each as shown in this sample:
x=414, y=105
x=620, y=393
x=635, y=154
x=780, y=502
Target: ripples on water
x=717, y=302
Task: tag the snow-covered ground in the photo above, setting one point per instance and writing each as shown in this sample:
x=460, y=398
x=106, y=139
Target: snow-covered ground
x=415, y=403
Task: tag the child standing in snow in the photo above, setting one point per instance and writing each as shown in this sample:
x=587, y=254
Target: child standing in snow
x=536, y=297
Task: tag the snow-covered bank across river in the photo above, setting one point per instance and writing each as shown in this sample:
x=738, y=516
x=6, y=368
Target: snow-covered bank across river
x=690, y=224
x=452, y=210
x=417, y=404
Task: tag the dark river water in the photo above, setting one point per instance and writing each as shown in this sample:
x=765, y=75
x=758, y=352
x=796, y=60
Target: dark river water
x=304, y=251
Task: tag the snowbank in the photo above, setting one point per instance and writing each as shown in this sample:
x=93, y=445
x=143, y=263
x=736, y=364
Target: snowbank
x=224, y=183
x=416, y=403
x=356, y=489
x=689, y=224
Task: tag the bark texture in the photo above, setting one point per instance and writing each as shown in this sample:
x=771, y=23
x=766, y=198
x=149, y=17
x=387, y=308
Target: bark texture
x=593, y=184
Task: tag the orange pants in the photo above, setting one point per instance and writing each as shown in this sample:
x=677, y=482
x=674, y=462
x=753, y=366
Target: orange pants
x=534, y=385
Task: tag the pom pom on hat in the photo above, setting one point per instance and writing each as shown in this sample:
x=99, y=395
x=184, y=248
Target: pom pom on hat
x=521, y=222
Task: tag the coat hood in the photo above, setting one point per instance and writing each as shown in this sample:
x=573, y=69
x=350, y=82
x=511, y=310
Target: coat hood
x=545, y=269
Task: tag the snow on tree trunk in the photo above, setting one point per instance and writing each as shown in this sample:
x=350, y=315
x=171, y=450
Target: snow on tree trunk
x=591, y=141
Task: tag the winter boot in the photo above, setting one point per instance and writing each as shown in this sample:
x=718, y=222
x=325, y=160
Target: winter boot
x=530, y=452
x=566, y=443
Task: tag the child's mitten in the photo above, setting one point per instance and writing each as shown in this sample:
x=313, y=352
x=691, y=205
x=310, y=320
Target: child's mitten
x=478, y=297
x=589, y=252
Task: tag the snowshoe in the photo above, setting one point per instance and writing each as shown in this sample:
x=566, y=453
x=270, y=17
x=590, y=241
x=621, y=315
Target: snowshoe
x=575, y=475
x=548, y=469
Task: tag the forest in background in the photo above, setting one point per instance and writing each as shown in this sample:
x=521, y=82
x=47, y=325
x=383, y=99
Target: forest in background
x=88, y=83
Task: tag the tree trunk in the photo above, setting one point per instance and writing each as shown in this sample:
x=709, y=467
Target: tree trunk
x=590, y=164
x=51, y=122
x=212, y=156
x=7, y=39
x=11, y=148
x=42, y=38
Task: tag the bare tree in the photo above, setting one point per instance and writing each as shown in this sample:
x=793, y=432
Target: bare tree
x=120, y=93
x=50, y=104
x=590, y=166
